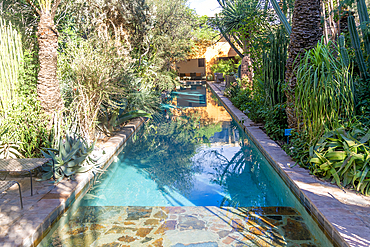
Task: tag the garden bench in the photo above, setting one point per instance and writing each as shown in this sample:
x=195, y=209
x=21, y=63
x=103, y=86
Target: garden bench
x=20, y=165
x=5, y=185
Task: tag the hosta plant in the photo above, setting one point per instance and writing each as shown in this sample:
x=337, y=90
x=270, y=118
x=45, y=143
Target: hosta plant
x=343, y=155
x=71, y=157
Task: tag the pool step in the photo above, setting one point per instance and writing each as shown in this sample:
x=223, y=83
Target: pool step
x=181, y=226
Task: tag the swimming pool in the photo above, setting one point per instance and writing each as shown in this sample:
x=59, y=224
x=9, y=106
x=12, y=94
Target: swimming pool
x=189, y=157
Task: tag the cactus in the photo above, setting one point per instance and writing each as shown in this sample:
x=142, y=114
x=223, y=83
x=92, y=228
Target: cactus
x=343, y=51
x=364, y=21
x=356, y=45
x=274, y=61
x=282, y=17
x=11, y=56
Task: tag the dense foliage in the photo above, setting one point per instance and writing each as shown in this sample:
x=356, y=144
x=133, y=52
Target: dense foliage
x=226, y=67
x=331, y=90
x=114, y=60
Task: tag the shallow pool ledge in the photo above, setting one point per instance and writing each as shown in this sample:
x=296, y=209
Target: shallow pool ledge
x=344, y=216
x=47, y=205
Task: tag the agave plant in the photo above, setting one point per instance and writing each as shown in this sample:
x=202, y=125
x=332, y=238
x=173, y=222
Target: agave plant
x=344, y=156
x=71, y=157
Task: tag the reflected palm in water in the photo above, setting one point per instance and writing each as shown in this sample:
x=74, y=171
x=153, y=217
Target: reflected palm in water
x=188, y=156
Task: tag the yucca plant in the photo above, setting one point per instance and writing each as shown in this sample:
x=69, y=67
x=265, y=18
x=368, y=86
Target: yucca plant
x=11, y=56
x=71, y=157
x=344, y=156
x=324, y=92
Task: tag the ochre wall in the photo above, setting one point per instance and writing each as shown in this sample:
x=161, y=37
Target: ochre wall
x=210, y=52
x=190, y=66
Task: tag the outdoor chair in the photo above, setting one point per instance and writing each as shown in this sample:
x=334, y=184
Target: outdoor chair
x=219, y=77
x=20, y=165
x=5, y=185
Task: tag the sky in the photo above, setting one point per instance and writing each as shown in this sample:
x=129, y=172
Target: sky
x=205, y=7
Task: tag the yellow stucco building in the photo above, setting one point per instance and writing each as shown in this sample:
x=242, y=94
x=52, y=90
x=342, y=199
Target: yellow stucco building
x=198, y=66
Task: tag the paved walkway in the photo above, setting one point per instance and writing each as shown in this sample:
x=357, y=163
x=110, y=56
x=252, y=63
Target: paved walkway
x=338, y=211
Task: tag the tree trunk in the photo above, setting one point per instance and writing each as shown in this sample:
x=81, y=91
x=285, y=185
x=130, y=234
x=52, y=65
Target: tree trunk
x=306, y=31
x=247, y=70
x=48, y=90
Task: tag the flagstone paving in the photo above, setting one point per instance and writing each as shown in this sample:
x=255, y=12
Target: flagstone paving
x=182, y=226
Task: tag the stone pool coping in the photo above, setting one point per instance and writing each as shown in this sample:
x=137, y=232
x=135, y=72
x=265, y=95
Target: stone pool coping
x=344, y=216
x=30, y=225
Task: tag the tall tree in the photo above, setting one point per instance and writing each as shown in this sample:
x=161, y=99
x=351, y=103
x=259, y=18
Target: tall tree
x=241, y=23
x=48, y=90
x=306, y=31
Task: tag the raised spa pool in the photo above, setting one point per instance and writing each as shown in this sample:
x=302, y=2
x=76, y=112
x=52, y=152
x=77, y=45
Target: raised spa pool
x=185, y=169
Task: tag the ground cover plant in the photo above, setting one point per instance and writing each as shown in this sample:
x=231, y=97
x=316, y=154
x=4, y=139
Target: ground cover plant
x=343, y=155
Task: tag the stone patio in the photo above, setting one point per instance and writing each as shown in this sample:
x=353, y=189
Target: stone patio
x=343, y=215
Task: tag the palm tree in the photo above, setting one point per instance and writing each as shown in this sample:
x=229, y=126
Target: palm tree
x=306, y=31
x=48, y=90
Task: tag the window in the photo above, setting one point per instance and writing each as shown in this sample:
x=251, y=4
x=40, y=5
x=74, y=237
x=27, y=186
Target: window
x=201, y=62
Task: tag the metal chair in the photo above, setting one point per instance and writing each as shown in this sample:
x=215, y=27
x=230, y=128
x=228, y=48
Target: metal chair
x=5, y=185
x=19, y=165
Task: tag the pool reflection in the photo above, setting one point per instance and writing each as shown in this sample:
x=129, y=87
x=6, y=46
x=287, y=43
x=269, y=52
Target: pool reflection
x=189, y=157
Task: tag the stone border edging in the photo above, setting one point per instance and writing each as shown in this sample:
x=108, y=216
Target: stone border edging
x=82, y=181
x=283, y=165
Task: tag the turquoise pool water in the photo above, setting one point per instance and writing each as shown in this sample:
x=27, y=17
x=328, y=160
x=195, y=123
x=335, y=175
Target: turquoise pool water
x=183, y=172
x=194, y=156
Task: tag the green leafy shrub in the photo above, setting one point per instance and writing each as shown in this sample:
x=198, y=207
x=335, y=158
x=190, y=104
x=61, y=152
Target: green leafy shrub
x=226, y=67
x=343, y=155
x=324, y=93
x=109, y=120
x=27, y=127
x=276, y=121
x=91, y=70
x=362, y=100
x=8, y=150
x=298, y=148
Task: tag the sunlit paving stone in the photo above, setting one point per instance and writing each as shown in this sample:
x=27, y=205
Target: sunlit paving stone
x=221, y=226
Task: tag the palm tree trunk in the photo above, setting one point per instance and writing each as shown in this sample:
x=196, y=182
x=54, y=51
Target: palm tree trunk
x=306, y=31
x=48, y=86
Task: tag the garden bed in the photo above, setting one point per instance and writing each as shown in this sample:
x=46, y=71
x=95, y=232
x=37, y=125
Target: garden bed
x=342, y=214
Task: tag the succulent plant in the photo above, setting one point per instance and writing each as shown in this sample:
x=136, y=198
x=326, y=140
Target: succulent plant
x=71, y=157
x=343, y=50
x=364, y=21
x=357, y=45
